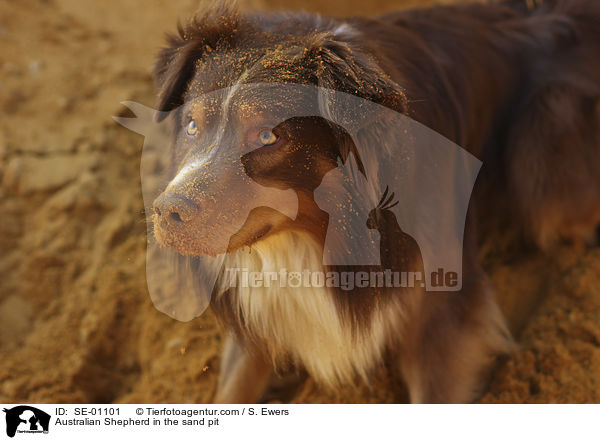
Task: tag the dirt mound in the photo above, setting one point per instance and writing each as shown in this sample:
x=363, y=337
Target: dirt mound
x=76, y=320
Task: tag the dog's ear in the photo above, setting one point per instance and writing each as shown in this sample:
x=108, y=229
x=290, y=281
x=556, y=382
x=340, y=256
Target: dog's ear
x=209, y=29
x=342, y=66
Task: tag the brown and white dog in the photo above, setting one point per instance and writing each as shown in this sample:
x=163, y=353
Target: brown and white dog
x=517, y=86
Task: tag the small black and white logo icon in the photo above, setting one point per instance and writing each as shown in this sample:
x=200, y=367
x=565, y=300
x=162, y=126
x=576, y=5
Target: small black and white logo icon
x=26, y=419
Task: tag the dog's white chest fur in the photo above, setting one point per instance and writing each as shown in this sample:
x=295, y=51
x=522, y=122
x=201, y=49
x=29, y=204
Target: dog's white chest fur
x=304, y=323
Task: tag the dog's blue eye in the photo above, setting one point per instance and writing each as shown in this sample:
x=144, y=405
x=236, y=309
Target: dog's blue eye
x=267, y=137
x=192, y=129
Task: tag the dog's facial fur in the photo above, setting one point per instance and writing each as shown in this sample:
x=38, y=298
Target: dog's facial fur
x=226, y=144
x=483, y=76
x=221, y=50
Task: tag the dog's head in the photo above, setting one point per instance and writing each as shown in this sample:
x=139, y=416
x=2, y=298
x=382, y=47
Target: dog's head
x=234, y=140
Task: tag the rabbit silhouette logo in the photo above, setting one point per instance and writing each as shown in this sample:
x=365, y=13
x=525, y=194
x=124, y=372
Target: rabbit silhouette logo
x=26, y=419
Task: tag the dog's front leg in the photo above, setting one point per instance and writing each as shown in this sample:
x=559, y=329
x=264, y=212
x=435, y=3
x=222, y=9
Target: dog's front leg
x=244, y=373
x=451, y=359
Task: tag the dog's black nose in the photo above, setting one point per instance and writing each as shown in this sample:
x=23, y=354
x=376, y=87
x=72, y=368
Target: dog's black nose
x=174, y=208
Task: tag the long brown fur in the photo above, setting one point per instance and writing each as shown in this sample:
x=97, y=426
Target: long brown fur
x=515, y=85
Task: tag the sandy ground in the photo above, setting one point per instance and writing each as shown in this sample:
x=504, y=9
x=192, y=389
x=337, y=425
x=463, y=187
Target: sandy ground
x=76, y=320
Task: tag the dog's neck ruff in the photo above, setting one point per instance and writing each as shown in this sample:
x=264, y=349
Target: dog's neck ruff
x=305, y=324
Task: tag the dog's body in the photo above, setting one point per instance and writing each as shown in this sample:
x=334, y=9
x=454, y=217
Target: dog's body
x=518, y=88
